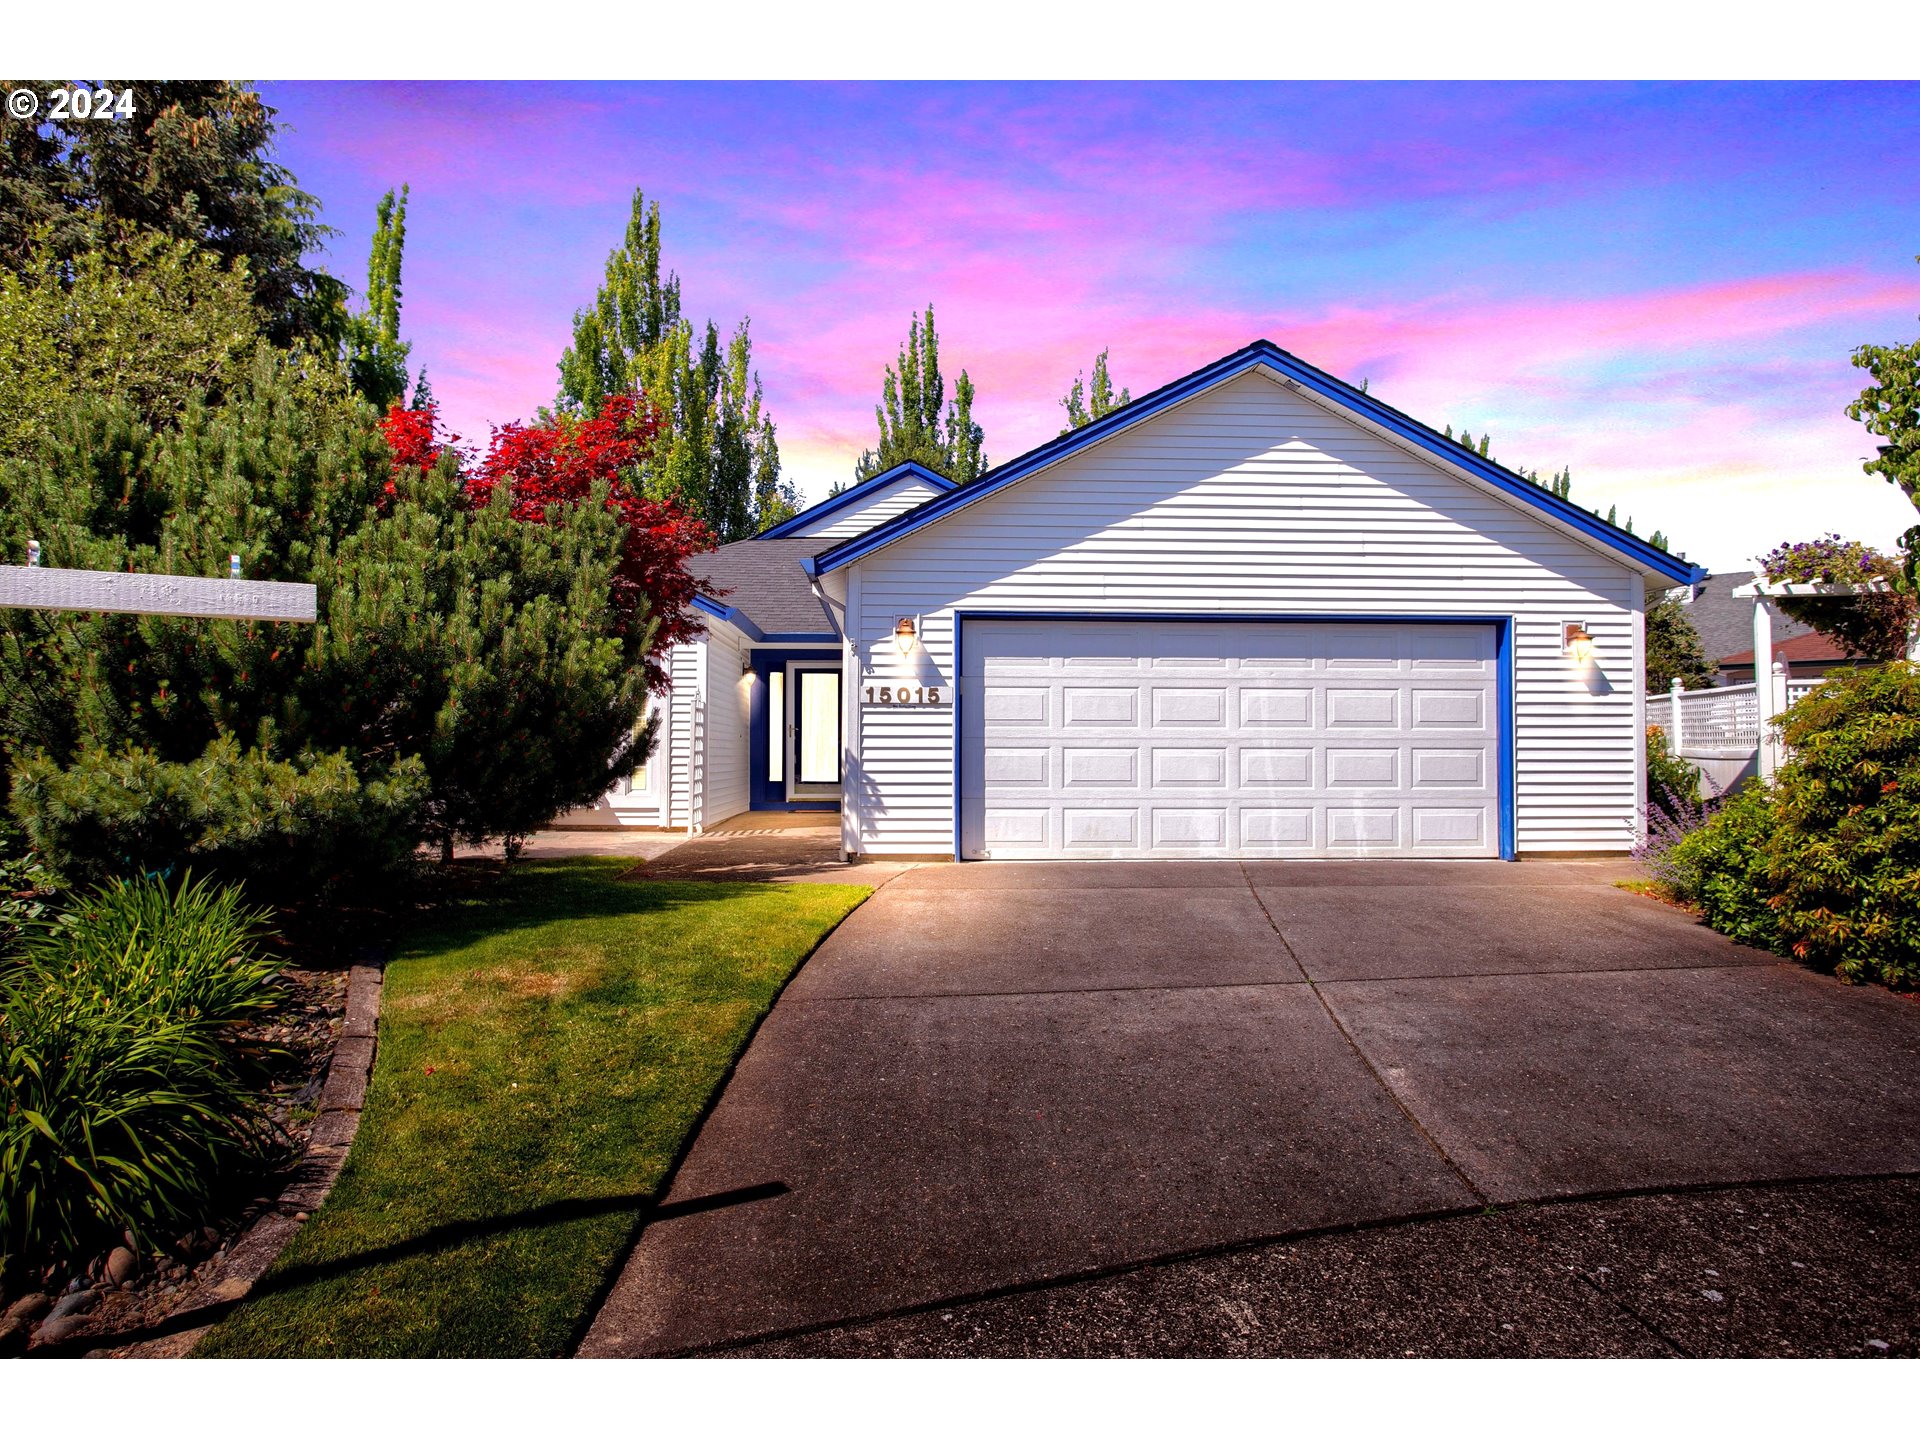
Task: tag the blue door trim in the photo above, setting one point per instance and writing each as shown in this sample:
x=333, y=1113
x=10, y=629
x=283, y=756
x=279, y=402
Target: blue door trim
x=1501, y=625
x=764, y=794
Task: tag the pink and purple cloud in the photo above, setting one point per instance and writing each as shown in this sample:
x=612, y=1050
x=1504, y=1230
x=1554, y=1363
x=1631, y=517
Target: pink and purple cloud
x=1660, y=285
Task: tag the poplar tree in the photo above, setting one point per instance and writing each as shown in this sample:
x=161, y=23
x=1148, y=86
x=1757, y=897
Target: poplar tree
x=1087, y=401
x=376, y=355
x=912, y=425
x=715, y=453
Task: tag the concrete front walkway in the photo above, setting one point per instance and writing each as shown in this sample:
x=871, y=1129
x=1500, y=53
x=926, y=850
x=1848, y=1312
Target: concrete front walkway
x=997, y=1076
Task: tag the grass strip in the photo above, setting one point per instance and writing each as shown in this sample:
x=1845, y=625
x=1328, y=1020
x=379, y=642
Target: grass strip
x=544, y=1053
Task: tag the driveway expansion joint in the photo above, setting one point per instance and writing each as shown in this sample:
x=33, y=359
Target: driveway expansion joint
x=1367, y=1060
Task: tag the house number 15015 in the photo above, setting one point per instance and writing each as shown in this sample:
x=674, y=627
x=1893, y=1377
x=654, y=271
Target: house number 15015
x=903, y=695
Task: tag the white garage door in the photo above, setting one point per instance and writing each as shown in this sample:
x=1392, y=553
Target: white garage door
x=1128, y=739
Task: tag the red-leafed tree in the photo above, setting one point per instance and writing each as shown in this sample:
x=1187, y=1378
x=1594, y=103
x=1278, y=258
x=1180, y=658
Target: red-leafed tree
x=566, y=462
x=569, y=460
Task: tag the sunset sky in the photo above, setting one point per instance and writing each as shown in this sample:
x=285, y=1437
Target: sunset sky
x=1659, y=285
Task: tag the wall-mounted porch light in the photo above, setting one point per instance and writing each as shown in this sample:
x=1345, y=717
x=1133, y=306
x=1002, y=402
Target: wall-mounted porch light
x=1579, y=642
x=904, y=634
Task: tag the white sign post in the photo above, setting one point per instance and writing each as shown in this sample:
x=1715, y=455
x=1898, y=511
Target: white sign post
x=38, y=587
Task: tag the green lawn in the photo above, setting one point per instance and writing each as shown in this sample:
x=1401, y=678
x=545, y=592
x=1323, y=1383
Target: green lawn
x=544, y=1053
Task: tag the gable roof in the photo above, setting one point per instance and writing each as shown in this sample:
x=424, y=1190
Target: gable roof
x=768, y=595
x=1298, y=373
x=854, y=494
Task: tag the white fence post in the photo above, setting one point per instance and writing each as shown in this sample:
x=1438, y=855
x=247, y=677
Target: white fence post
x=1676, y=736
x=1763, y=686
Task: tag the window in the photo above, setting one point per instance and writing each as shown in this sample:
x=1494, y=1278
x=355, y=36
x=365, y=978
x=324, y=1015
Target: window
x=776, y=726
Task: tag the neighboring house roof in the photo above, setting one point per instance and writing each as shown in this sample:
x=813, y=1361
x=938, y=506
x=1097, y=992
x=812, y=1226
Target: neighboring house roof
x=854, y=495
x=768, y=595
x=1810, y=648
x=1293, y=371
x=1725, y=622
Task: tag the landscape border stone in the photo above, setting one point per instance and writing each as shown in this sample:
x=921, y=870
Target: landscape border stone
x=311, y=1179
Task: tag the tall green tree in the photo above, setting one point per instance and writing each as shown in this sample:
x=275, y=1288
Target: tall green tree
x=1673, y=647
x=716, y=453
x=912, y=424
x=194, y=162
x=1890, y=409
x=143, y=318
x=1088, y=400
x=376, y=355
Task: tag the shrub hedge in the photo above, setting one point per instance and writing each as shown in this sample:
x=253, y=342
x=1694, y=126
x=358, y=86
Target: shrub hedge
x=1824, y=865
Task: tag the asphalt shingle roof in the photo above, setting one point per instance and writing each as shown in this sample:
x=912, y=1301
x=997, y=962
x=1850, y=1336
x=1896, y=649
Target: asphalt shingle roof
x=1726, y=624
x=764, y=581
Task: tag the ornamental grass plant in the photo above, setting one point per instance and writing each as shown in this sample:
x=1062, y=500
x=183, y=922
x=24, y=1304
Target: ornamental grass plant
x=129, y=1097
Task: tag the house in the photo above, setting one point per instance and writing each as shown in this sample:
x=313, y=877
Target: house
x=1256, y=612
x=1725, y=624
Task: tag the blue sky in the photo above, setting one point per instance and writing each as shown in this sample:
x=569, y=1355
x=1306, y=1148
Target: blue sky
x=1657, y=284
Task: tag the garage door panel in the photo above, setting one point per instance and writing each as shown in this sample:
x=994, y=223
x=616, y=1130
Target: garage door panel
x=1449, y=709
x=1369, y=769
x=1372, y=709
x=1018, y=705
x=1445, y=769
x=1263, y=707
x=1352, y=827
x=1232, y=738
x=1189, y=706
x=1018, y=829
x=1103, y=707
x=1440, y=829
x=1101, y=830
x=1027, y=767
x=1265, y=829
x=1263, y=769
x=1103, y=767
x=1189, y=828
x=1182, y=769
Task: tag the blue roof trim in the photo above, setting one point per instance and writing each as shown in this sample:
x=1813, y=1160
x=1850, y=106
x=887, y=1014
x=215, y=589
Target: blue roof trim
x=1261, y=353
x=735, y=618
x=905, y=470
x=738, y=619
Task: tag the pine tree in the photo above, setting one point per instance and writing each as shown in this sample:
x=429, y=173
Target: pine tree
x=1087, y=402
x=715, y=453
x=476, y=668
x=376, y=355
x=909, y=415
x=422, y=393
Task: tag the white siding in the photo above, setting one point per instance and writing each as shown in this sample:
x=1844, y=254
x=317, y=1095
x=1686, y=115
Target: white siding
x=685, y=665
x=883, y=504
x=1252, y=499
x=724, y=722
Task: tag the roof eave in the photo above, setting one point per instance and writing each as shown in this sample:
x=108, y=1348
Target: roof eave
x=905, y=470
x=1652, y=562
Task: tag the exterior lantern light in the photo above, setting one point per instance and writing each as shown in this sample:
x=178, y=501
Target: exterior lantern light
x=903, y=634
x=1579, y=642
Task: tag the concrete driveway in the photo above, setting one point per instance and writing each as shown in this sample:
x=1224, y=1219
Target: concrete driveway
x=998, y=1076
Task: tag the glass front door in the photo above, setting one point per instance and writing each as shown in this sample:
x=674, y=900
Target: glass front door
x=815, y=731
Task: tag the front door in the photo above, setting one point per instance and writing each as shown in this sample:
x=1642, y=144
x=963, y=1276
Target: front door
x=815, y=732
